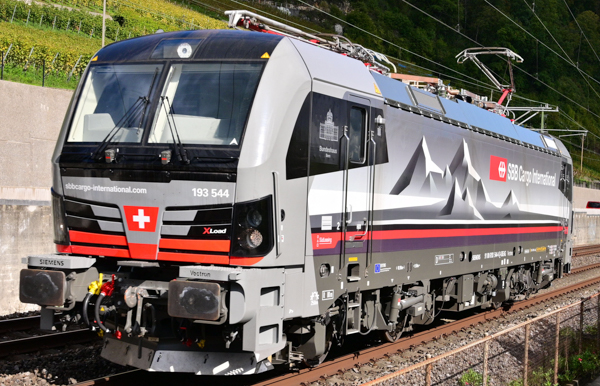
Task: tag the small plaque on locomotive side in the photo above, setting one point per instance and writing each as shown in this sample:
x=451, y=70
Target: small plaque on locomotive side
x=444, y=259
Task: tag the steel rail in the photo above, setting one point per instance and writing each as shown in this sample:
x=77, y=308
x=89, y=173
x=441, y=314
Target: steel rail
x=306, y=376
x=41, y=342
x=585, y=250
x=19, y=324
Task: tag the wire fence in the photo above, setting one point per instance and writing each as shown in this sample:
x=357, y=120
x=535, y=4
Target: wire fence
x=560, y=346
x=36, y=69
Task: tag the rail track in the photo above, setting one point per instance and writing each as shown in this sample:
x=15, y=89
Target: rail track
x=585, y=250
x=41, y=340
x=345, y=362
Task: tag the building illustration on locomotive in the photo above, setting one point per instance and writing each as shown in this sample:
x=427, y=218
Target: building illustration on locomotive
x=226, y=201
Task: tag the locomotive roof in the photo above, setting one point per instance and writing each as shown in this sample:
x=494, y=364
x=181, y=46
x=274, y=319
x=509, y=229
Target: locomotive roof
x=399, y=94
x=249, y=45
x=213, y=44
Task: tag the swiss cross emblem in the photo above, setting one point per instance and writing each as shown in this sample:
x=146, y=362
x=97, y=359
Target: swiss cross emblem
x=141, y=218
x=502, y=169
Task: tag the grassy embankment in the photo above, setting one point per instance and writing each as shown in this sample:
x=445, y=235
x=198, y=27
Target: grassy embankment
x=75, y=34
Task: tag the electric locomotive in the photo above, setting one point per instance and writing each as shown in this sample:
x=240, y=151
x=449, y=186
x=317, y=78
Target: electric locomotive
x=226, y=201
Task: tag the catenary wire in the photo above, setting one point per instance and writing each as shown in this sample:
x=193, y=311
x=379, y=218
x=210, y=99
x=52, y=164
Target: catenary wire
x=538, y=40
x=583, y=33
x=388, y=42
x=515, y=66
x=581, y=72
x=441, y=65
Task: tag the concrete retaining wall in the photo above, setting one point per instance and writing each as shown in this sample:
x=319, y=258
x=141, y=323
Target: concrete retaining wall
x=586, y=228
x=26, y=230
x=30, y=119
x=582, y=195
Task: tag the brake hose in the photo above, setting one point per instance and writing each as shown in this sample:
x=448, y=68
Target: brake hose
x=93, y=289
x=106, y=290
x=84, y=312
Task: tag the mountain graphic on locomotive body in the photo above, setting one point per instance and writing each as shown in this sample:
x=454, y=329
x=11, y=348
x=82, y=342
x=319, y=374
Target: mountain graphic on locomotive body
x=226, y=201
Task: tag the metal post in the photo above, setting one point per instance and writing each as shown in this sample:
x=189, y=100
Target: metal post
x=486, y=349
x=29, y=57
x=117, y=35
x=74, y=67
x=91, y=33
x=567, y=350
x=69, y=22
x=53, y=23
x=41, y=18
x=79, y=30
x=598, y=326
x=428, y=369
x=526, y=355
x=43, y=72
x=581, y=311
x=53, y=60
x=581, y=165
x=556, y=346
x=28, y=13
x=103, y=21
x=13, y=15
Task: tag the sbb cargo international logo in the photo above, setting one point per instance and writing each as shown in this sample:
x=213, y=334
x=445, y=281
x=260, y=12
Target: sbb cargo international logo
x=498, y=167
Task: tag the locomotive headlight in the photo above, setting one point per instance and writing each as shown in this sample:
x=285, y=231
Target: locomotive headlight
x=252, y=239
x=253, y=232
x=254, y=218
x=184, y=50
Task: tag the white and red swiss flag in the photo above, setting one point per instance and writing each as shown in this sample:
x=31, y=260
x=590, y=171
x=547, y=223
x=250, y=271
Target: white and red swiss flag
x=141, y=218
x=498, y=168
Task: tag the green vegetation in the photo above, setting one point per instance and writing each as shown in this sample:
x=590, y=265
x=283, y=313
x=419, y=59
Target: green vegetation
x=47, y=44
x=471, y=378
x=67, y=34
x=418, y=33
x=33, y=75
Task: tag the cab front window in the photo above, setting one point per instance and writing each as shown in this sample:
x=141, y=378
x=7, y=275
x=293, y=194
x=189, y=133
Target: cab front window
x=205, y=103
x=113, y=97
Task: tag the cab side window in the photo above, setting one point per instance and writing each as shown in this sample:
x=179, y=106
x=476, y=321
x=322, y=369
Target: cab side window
x=357, y=132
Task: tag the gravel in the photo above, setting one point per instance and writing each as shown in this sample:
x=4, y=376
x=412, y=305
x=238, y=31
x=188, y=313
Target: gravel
x=57, y=367
x=507, y=363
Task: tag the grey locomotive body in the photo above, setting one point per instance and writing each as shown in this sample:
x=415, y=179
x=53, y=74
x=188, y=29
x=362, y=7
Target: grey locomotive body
x=250, y=199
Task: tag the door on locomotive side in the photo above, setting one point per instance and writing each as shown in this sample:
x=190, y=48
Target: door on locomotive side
x=357, y=148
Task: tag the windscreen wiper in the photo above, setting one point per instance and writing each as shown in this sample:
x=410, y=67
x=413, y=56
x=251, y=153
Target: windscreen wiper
x=179, y=149
x=141, y=101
